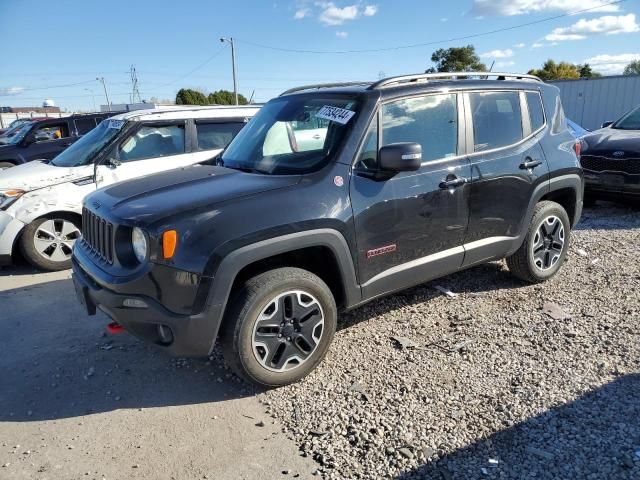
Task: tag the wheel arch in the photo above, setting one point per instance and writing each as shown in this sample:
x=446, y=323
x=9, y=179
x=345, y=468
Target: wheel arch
x=323, y=252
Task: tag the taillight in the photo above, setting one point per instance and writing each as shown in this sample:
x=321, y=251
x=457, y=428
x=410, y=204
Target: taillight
x=577, y=147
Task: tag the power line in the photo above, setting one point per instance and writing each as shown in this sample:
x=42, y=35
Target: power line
x=434, y=42
x=217, y=52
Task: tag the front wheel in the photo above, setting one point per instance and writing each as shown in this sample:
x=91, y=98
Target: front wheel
x=47, y=243
x=545, y=246
x=279, y=327
x=5, y=165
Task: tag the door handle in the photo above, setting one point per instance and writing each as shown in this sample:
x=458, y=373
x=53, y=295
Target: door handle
x=530, y=163
x=453, y=182
x=317, y=136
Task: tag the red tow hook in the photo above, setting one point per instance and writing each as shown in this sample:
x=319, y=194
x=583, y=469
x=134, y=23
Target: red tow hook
x=114, y=328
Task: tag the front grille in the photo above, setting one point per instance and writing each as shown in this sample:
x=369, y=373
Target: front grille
x=604, y=164
x=97, y=235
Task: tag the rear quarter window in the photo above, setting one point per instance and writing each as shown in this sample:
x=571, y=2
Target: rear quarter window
x=536, y=112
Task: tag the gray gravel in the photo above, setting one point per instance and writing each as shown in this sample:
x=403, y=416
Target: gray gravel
x=504, y=380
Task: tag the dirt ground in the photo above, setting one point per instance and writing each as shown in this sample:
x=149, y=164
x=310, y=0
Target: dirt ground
x=75, y=404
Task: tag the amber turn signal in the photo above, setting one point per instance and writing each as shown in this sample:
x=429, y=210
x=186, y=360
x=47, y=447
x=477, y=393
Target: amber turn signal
x=169, y=243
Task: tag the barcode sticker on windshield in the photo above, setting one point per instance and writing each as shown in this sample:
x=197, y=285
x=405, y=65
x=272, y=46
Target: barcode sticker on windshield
x=335, y=114
x=116, y=124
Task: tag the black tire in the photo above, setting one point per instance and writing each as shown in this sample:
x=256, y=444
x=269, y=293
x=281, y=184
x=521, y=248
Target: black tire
x=523, y=264
x=256, y=297
x=50, y=263
x=5, y=165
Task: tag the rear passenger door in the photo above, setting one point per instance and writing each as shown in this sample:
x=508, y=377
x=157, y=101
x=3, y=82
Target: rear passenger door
x=213, y=135
x=410, y=227
x=507, y=164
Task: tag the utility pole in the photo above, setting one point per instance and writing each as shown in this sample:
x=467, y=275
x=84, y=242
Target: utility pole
x=104, y=85
x=233, y=64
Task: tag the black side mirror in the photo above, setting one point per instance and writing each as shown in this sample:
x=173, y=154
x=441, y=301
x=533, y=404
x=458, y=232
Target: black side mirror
x=400, y=157
x=607, y=124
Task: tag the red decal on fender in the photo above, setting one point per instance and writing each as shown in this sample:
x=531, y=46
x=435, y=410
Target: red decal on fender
x=381, y=251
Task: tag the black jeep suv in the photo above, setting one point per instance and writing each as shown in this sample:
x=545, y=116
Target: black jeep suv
x=331, y=196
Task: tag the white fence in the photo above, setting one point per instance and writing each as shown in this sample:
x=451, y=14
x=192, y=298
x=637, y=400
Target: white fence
x=7, y=118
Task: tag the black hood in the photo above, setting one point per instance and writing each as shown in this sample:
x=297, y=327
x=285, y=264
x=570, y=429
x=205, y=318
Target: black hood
x=148, y=199
x=608, y=140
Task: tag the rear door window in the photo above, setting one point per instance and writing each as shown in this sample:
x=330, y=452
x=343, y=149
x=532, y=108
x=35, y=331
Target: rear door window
x=536, y=113
x=497, y=119
x=216, y=135
x=153, y=141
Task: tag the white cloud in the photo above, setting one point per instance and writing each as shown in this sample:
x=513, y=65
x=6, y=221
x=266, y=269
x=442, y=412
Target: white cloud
x=332, y=15
x=520, y=45
x=537, y=45
x=370, y=10
x=444, y=19
x=520, y=7
x=301, y=13
x=342, y=34
x=611, y=64
x=11, y=90
x=508, y=53
x=607, y=25
x=505, y=64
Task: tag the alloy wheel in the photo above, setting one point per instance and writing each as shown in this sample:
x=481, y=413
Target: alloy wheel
x=54, y=239
x=548, y=243
x=287, y=331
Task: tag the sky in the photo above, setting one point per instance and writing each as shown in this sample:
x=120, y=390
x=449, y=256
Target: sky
x=56, y=50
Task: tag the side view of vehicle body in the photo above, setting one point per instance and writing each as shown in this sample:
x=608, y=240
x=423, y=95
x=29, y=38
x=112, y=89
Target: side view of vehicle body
x=410, y=178
x=611, y=160
x=41, y=203
x=44, y=139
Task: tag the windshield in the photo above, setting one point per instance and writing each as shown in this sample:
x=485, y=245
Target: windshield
x=84, y=150
x=631, y=121
x=18, y=133
x=292, y=135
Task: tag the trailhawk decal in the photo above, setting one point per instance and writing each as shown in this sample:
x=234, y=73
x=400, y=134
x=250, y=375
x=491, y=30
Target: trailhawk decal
x=335, y=114
x=381, y=251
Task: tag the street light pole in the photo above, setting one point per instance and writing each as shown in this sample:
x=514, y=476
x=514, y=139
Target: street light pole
x=104, y=85
x=233, y=65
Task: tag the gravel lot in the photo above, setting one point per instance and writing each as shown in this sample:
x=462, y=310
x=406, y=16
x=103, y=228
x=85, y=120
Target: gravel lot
x=491, y=383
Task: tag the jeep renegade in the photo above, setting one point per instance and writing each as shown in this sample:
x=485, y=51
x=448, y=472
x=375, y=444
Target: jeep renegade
x=331, y=196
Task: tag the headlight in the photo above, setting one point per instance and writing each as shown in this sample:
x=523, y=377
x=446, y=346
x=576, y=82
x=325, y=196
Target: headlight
x=139, y=243
x=7, y=197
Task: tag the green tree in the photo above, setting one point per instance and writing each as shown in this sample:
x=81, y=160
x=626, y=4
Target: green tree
x=633, y=68
x=225, y=97
x=456, y=59
x=188, y=96
x=586, y=71
x=556, y=71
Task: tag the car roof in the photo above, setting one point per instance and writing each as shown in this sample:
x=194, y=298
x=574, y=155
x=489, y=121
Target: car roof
x=177, y=113
x=407, y=84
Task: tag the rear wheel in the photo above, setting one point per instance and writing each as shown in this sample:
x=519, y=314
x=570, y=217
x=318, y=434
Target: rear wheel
x=545, y=246
x=279, y=327
x=47, y=243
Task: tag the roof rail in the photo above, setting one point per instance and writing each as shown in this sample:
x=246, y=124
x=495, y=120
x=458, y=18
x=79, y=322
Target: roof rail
x=323, y=85
x=386, y=82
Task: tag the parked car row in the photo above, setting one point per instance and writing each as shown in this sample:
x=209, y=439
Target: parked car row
x=330, y=196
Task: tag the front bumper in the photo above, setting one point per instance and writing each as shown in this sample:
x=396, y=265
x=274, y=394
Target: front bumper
x=10, y=228
x=191, y=335
x=614, y=184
